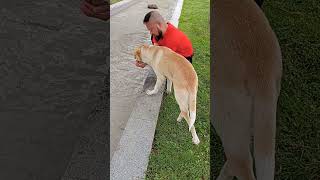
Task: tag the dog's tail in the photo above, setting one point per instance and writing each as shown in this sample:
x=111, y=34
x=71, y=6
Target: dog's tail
x=264, y=135
x=192, y=100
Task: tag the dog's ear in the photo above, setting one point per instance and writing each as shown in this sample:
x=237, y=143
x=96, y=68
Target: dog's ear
x=137, y=54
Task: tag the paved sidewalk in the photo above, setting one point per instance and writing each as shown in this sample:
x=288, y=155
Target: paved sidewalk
x=52, y=69
x=132, y=146
x=127, y=31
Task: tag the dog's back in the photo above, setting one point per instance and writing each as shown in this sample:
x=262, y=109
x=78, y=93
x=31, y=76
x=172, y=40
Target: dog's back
x=246, y=84
x=177, y=68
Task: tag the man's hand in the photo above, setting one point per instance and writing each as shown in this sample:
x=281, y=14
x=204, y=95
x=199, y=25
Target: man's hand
x=140, y=64
x=96, y=8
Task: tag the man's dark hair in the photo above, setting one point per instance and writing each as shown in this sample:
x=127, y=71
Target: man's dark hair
x=154, y=17
x=147, y=17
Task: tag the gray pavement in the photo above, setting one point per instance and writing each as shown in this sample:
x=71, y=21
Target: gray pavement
x=127, y=32
x=131, y=141
x=53, y=120
x=54, y=88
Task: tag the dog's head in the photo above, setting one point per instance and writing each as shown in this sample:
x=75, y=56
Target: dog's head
x=138, y=52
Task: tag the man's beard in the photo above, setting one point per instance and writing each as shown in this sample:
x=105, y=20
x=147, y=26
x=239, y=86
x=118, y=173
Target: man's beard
x=160, y=36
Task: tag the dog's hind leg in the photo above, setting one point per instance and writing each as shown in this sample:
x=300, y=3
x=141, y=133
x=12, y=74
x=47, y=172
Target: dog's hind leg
x=232, y=113
x=238, y=165
x=264, y=137
x=192, y=102
x=239, y=160
x=182, y=99
x=225, y=173
x=169, y=86
x=180, y=117
x=195, y=138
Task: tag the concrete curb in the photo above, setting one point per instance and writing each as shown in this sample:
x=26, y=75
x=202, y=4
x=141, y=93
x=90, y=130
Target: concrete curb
x=130, y=160
x=176, y=14
x=119, y=6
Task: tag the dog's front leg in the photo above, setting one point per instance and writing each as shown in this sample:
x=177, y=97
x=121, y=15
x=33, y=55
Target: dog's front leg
x=160, y=81
x=169, y=86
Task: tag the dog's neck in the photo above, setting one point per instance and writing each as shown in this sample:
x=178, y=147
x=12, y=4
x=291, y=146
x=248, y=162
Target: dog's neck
x=146, y=56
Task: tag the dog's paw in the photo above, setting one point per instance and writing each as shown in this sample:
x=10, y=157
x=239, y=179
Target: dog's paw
x=168, y=91
x=150, y=92
x=196, y=140
x=179, y=119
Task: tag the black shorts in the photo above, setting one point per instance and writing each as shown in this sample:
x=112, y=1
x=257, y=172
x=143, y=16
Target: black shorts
x=189, y=59
x=259, y=2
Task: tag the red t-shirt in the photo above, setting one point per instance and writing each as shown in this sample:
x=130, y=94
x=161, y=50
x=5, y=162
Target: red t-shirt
x=176, y=40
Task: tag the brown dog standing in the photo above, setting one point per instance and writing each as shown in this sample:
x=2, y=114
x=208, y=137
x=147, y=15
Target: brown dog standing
x=247, y=68
x=173, y=66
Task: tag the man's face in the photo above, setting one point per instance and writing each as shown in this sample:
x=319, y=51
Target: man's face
x=153, y=28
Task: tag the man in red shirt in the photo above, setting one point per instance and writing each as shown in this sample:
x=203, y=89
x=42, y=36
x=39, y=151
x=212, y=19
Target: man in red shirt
x=165, y=34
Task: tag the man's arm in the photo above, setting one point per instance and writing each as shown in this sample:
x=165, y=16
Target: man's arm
x=96, y=8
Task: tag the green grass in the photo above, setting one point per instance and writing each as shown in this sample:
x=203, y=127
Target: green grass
x=115, y=1
x=297, y=25
x=173, y=155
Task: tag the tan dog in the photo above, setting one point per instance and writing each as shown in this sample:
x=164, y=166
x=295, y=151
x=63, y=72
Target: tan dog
x=247, y=68
x=168, y=64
